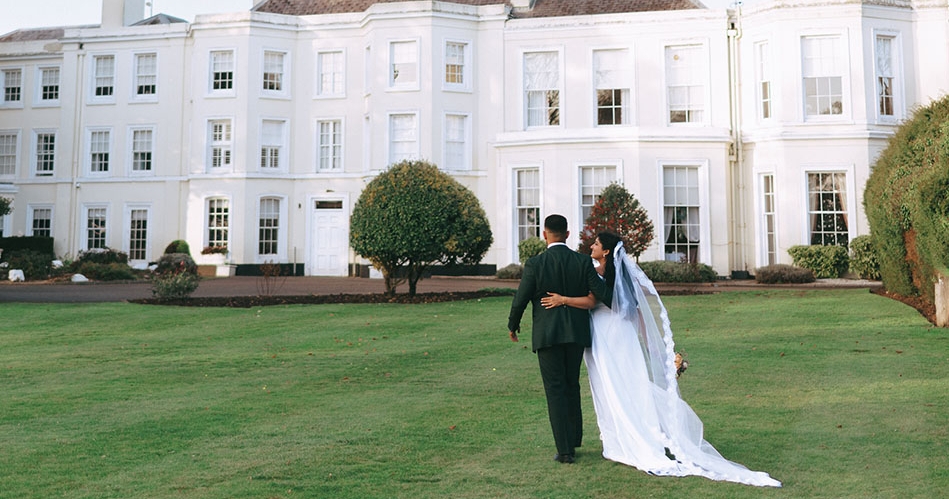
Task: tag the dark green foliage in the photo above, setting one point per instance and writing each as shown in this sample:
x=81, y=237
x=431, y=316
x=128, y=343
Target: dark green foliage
x=174, y=285
x=105, y=271
x=178, y=246
x=617, y=211
x=36, y=265
x=102, y=256
x=907, y=206
x=863, y=258
x=532, y=246
x=6, y=206
x=783, y=274
x=827, y=262
x=512, y=271
x=35, y=243
x=173, y=263
x=413, y=216
x=666, y=271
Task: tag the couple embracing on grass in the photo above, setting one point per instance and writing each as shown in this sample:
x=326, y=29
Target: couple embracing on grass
x=611, y=317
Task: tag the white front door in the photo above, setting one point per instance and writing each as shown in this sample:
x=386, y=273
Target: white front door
x=329, y=241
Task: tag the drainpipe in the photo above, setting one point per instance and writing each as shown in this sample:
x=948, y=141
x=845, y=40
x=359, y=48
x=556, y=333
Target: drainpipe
x=76, y=152
x=739, y=262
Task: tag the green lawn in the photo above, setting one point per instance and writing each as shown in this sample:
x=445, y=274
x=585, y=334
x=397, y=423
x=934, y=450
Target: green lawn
x=836, y=393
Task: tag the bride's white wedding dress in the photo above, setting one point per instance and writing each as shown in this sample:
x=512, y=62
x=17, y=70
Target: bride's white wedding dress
x=643, y=421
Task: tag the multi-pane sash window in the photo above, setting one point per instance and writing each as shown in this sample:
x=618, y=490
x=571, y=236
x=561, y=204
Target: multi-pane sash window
x=542, y=88
x=42, y=222
x=768, y=215
x=403, y=64
x=12, y=85
x=273, y=71
x=222, y=70
x=823, y=69
x=146, y=74
x=268, y=227
x=330, y=71
x=686, y=81
x=104, y=74
x=99, y=145
x=218, y=222
x=8, y=153
x=49, y=84
x=456, y=141
x=403, y=137
x=593, y=179
x=611, y=78
x=142, y=147
x=885, y=75
x=455, y=63
x=763, y=75
x=95, y=228
x=330, y=144
x=45, y=153
x=2, y=226
x=138, y=234
x=827, y=208
x=527, y=202
x=271, y=147
x=219, y=143
x=681, y=213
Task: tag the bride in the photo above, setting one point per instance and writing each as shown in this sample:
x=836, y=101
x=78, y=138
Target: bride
x=643, y=421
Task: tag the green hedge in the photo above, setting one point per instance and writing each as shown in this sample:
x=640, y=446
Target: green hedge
x=863, y=258
x=36, y=243
x=827, y=262
x=532, y=246
x=783, y=274
x=666, y=271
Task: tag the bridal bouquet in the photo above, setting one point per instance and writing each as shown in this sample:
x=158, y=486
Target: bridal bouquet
x=681, y=364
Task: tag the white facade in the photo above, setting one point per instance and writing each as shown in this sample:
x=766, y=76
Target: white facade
x=740, y=132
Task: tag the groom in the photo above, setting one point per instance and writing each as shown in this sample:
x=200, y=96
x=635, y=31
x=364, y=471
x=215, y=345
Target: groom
x=559, y=334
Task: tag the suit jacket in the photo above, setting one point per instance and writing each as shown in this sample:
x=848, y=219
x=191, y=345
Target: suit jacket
x=564, y=271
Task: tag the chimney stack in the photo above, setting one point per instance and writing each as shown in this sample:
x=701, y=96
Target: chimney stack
x=118, y=13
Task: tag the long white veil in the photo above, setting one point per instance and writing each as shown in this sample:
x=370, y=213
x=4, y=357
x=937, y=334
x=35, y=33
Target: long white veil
x=636, y=301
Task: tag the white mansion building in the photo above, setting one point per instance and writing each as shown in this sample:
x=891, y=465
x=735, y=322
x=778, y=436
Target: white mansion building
x=743, y=132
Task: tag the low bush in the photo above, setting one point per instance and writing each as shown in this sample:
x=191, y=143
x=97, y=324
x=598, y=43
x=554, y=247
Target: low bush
x=175, y=263
x=783, y=274
x=105, y=271
x=863, y=258
x=36, y=265
x=103, y=256
x=666, y=271
x=178, y=246
x=512, y=271
x=174, y=284
x=532, y=246
x=827, y=262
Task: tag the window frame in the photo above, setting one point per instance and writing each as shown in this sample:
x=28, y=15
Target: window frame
x=319, y=90
x=850, y=202
x=465, y=143
x=466, y=68
x=281, y=228
x=15, y=134
x=768, y=239
x=763, y=73
x=281, y=147
x=392, y=84
x=703, y=254
x=207, y=228
x=897, y=85
x=333, y=146
x=127, y=230
x=231, y=90
x=31, y=210
x=93, y=93
x=285, y=77
x=136, y=77
x=627, y=76
x=413, y=155
x=4, y=76
x=840, y=62
x=84, y=243
x=614, y=166
x=516, y=205
x=701, y=86
x=38, y=92
x=130, y=158
x=526, y=92
x=34, y=152
x=224, y=145
x=91, y=133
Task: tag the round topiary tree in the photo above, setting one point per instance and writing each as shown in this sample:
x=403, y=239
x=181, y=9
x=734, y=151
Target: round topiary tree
x=618, y=211
x=413, y=216
x=6, y=206
x=906, y=204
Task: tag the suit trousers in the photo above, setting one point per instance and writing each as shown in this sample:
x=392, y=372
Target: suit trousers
x=560, y=370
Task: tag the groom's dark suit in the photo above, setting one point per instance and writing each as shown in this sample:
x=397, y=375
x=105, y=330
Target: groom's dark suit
x=559, y=334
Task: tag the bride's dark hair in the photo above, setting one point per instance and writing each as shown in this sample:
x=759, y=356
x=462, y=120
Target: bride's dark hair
x=609, y=241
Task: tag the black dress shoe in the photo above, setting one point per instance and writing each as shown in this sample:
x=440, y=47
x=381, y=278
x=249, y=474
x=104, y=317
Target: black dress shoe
x=564, y=458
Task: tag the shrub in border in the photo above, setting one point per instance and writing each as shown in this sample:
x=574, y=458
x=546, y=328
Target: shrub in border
x=783, y=274
x=827, y=262
x=666, y=271
x=530, y=247
x=512, y=271
x=863, y=258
